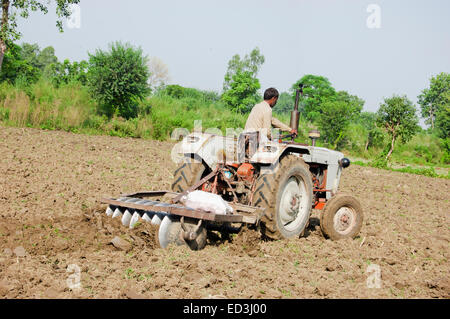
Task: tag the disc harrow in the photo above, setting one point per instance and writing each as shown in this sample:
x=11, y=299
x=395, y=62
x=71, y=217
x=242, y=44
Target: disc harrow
x=177, y=224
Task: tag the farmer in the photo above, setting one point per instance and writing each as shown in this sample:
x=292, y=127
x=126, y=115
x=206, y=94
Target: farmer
x=260, y=118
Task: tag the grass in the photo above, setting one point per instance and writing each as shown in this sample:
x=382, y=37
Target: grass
x=129, y=273
x=427, y=171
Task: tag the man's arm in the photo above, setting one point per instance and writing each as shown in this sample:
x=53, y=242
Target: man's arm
x=278, y=124
x=267, y=118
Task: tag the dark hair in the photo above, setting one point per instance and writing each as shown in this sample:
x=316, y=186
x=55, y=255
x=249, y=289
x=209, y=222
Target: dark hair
x=270, y=93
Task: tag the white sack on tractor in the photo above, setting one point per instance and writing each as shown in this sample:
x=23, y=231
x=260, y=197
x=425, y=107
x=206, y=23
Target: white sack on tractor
x=208, y=202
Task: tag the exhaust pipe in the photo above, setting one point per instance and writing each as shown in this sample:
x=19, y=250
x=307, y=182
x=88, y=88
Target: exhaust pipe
x=295, y=114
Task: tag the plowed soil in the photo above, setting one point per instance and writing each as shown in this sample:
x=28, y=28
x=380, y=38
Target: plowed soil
x=55, y=240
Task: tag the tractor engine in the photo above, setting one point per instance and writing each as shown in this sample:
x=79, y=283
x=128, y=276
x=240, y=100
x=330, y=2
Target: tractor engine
x=234, y=183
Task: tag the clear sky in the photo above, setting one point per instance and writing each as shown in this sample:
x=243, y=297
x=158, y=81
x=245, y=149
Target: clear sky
x=197, y=38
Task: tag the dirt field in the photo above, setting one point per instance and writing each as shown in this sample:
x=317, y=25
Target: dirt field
x=52, y=225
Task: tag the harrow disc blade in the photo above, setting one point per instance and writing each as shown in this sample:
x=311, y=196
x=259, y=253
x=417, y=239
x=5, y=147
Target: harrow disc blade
x=117, y=213
x=169, y=232
x=146, y=217
x=157, y=219
x=134, y=219
x=126, y=218
x=109, y=211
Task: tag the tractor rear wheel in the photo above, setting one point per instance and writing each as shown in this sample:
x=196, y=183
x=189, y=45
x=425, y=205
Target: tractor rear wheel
x=342, y=217
x=187, y=175
x=287, y=196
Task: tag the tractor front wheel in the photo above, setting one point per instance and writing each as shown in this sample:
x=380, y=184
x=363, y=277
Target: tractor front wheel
x=342, y=217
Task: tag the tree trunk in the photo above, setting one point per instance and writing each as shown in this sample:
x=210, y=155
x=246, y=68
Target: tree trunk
x=392, y=147
x=4, y=30
x=431, y=117
x=2, y=52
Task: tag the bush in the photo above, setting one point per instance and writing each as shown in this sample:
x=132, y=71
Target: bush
x=445, y=144
x=118, y=79
x=179, y=92
x=175, y=91
x=423, y=149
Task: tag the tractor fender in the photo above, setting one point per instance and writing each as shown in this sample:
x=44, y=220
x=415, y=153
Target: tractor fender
x=209, y=148
x=271, y=153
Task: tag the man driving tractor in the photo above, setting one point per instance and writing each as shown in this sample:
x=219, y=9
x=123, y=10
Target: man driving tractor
x=261, y=119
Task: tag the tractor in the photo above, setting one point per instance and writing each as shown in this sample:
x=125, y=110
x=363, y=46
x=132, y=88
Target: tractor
x=271, y=186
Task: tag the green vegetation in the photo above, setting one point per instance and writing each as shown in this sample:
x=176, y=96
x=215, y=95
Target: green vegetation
x=110, y=94
x=16, y=68
x=118, y=79
x=435, y=98
x=397, y=115
x=240, y=88
x=317, y=89
x=11, y=9
x=70, y=107
x=242, y=95
x=334, y=119
x=67, y=72
x=427, y=171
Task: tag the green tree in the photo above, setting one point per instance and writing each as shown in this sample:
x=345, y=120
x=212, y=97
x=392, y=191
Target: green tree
x=240, y=88
x=16, y=68
x=285, y=103
x=250, y=63
x=118, y=78
x=46, y=58
x=67, y=72
x=334, y=120
x=243, y=92
x=316, y=91
x=397, y=115
x=443, y=119
x=434, y=98
x=374, y=133
x=30, y=53
x=354, y=103
x=180, y=92
x=13, y=8
x=42, y=60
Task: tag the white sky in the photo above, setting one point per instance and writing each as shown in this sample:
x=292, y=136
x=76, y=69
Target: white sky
x=196, y=39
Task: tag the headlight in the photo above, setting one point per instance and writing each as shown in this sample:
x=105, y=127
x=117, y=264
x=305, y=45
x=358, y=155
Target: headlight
x=345, y=162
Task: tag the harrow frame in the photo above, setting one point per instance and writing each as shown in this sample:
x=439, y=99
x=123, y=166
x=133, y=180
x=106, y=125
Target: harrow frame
x=241, y=213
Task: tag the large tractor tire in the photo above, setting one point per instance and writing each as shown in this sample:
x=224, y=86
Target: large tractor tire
x=187, y=175
x=342, y=217
x=287, y=196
